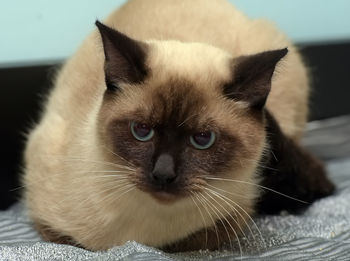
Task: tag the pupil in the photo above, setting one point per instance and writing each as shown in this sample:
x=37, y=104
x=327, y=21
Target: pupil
x=202, y=138
x=142, y=130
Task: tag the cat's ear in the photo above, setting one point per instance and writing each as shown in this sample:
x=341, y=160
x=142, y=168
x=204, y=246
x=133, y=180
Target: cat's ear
x=124, y=57
x=252, y=77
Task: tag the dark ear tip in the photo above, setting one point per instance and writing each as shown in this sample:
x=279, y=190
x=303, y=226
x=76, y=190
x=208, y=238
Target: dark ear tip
x=283, y=52
x=102, y=27
x=277, y=55
x=99, y=24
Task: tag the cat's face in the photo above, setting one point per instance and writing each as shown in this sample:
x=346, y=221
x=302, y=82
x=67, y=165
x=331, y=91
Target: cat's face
x=182, y=115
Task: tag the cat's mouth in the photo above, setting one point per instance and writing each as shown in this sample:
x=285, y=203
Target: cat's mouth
x=164, y=195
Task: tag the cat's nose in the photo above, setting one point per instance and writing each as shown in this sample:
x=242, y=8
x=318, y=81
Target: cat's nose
x=164, y=170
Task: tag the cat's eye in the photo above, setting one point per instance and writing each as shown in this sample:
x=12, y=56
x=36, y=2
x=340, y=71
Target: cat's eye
x=141, y=131
x=203, y=140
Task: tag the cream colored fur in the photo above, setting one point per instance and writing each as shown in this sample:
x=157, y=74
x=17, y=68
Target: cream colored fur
x=63, y=149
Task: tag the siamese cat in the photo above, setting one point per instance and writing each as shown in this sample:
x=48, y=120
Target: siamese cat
x=173, y=124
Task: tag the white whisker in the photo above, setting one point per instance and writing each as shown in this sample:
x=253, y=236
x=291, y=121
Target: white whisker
x=245, y=212
x=229, y=223
x=187, y=119
x=115, y=154
x=218, y=195
x=260, y=165
x=112, y=187
x=121, y=174
x=73, y=159
x=232, y=193
x=128, y=189
x=218, y=214
x=204, y=223
x=198, y=196
x=256, y=185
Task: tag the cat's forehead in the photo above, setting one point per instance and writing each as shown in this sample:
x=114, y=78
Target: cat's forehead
x=176, y=102
x=195, y=62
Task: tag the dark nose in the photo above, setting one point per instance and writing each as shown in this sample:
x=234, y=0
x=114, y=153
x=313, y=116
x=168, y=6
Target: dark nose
x=163, y=172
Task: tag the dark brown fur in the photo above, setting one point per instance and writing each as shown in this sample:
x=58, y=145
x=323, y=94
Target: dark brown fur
x=291, y=170
x=124, y=57
x=252, y=77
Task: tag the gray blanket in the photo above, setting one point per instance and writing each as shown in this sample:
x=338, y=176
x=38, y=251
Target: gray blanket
x=322, y=232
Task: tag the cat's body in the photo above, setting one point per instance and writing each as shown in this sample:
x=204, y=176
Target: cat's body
x=189, y=45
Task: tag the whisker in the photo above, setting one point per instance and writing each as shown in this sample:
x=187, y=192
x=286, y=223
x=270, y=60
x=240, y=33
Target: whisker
x=256, y=185
x=79, y=178
x=107, y=171
x=115, y=185
x=187, y=119
x=115, y=154
x=229, y=223
x=17, y=188
x=260, y=165
x=107, y=163
x=218, y=214
x=128, y=189
x=204, y=223
x=112, y=176
x=210, y=216
x=232, y=193
x=218, y=195
x=245, y=212
x=273, y=154
x=115, y=190
x=234, y=93
x=224, y=198
x=121, y=184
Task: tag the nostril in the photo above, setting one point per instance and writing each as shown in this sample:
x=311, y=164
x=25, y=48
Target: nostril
x=170, y=179
x=156, y=176
x=163, y=178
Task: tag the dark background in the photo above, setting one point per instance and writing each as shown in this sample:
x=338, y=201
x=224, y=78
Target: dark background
x=23, y=88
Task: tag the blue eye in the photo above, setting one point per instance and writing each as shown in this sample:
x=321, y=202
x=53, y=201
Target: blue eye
x=141, y=131
x=203, y=140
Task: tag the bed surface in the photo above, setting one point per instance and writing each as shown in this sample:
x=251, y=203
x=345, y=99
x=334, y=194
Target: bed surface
x=322, y=232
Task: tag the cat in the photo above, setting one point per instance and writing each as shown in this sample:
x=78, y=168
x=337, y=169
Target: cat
x=164, y=126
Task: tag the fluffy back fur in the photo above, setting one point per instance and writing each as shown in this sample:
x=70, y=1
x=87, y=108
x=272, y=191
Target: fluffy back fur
x=190, y=44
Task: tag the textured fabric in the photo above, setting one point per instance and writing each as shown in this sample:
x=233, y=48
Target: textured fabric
x=322, y=232
x=330, y=138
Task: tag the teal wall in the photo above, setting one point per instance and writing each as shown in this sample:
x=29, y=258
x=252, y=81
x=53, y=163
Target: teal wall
x=35, y=31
